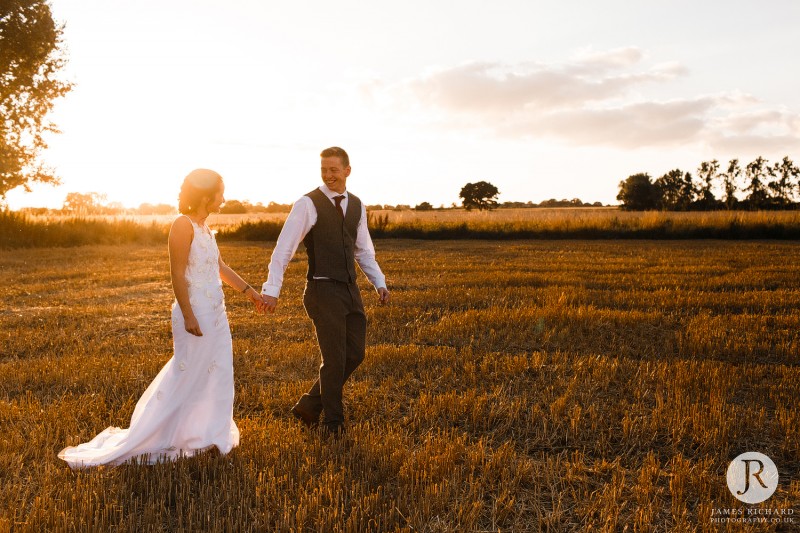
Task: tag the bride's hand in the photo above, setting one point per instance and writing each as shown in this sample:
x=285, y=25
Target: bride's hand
x=192, y=326
x=255, y=298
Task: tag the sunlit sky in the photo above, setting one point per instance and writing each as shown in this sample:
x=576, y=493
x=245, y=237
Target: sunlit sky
x=542, y=99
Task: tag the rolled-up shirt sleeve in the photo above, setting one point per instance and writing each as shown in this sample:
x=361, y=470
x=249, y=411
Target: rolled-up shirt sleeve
x=365, y=253
x=301, y=219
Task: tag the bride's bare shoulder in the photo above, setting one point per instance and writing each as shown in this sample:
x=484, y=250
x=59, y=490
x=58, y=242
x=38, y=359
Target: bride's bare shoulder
x=181, y=226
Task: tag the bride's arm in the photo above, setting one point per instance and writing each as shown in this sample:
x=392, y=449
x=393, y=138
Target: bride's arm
x=180, y=240
x=229, y=276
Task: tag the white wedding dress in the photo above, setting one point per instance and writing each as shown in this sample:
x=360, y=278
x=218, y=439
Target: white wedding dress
x=188, y=407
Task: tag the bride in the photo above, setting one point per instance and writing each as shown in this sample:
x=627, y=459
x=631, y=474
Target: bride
x=188, y=407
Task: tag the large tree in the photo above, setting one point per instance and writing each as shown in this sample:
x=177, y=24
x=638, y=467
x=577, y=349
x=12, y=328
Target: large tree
x=688, y=192
x=730, y=183
x=756, y=173
x=233, y=207
x=707, y=172
x=676, y=190
x=785, y=173
x=30, y=59
x=670, y=189
x=84, y=204
x=481, y=195
x=638, y=193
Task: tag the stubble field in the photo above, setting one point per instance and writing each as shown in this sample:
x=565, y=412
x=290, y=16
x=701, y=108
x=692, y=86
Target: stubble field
x=514, y=386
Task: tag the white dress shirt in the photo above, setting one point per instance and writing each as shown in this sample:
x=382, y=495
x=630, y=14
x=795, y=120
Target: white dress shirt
x=301, y=219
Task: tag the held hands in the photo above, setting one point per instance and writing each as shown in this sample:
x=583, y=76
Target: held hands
x=268, y=304
x=263, y=303
x=254, y=297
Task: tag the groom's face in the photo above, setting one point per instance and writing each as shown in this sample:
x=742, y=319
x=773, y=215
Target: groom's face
x=334, y=173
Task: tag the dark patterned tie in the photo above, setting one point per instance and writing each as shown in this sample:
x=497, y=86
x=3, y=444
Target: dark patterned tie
x=339, y=204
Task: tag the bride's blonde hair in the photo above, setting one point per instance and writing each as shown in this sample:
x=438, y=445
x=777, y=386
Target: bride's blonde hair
x=199, y=184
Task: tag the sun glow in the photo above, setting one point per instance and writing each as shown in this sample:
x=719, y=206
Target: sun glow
x=425, y=99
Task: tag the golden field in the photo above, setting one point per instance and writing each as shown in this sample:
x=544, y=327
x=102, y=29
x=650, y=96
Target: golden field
x=19, y=230
x=515, y=386
x=555, y=218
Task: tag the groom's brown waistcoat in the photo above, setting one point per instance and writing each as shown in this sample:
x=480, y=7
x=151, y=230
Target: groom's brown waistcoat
x=331, y=242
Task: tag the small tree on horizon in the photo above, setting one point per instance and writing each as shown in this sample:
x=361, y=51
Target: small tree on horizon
x=233, y=207
x=670, y=189
x=157, y=209
x=638, y=193
x=688, y=192
x=756, y=171
x=481, y=195
x=730, y=181
x=83, y=204
x=707, y=173
x=785, y=173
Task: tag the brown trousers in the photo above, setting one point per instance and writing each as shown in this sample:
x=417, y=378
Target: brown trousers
x=337, y=312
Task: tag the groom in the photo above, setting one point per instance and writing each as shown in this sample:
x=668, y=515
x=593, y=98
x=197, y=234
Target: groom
x=332, y=223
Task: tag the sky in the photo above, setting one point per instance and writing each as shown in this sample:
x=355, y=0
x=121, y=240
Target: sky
x=542, y=99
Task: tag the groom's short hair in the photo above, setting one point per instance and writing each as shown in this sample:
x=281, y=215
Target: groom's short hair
x=335, y=151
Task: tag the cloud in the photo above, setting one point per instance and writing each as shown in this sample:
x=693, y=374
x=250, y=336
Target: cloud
x=488, y=87
x=596, y=98
x=627, y=126
x=608, y=59
x=752, y=128
x=755, y=144
x=753, y=121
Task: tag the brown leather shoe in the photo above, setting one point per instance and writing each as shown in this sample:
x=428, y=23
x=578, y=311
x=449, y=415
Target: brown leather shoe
x=305, y=417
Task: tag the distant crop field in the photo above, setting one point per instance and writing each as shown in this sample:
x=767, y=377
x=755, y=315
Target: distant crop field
x=551, y=217
x=22, y=231
x=222, y=221
x=510, y=386
x=218, y=220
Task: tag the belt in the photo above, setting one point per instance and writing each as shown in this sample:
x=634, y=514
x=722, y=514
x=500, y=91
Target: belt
x=329, y=280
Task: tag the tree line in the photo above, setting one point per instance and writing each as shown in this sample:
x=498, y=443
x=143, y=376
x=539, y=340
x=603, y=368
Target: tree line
x=481, y=196
x=92, y=203
x=762, y=186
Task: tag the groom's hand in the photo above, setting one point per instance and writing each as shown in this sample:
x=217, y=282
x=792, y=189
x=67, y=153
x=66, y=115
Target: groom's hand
x=269, y=303
x=383, y=295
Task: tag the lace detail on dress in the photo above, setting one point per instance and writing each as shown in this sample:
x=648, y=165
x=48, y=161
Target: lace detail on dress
x=202, y=272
